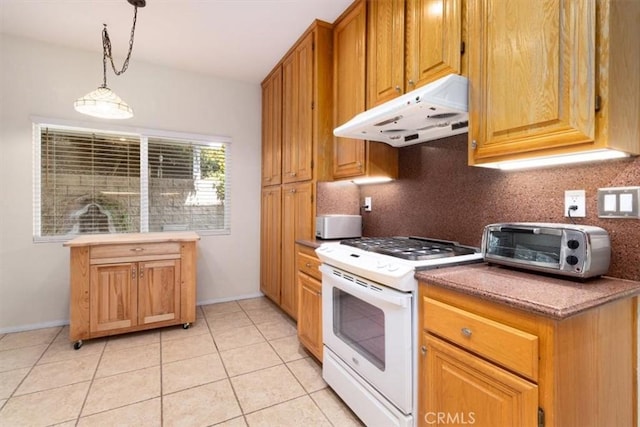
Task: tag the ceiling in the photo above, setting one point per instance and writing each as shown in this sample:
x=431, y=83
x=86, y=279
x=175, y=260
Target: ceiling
x=235, y=39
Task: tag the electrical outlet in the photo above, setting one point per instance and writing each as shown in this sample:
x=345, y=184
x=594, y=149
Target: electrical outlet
x=575, y=198
x=367, y=204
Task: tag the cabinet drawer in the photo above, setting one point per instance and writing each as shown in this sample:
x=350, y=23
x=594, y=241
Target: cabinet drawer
x=512, y=348
x=308, y=263
x=137, y=251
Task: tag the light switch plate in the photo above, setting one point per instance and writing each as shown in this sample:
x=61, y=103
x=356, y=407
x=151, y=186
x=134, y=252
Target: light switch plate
x=619, y=202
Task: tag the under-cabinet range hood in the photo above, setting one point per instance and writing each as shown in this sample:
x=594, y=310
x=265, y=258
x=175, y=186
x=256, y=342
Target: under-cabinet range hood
x=436, y=110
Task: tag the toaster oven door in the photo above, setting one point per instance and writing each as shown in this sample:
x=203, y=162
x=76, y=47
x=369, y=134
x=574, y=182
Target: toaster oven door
x=535, y=246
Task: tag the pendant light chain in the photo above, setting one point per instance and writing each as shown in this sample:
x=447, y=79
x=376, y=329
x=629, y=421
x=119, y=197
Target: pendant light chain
x=106, y=50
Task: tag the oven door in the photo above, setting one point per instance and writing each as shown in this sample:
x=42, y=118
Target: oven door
x=369, y=327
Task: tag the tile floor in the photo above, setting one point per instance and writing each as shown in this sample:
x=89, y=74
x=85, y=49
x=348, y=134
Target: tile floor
x=240, y=364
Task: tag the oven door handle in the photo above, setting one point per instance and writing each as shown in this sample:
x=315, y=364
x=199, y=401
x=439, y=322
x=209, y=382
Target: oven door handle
x=367, y=292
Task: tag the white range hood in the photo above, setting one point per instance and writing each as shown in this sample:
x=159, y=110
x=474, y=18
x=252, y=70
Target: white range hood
x=436, y=110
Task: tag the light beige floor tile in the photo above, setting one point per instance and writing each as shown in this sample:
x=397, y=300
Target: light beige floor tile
x=122, y=389
x=20, y=357
x=278, y=329
x=256, y=303
x=136, y=339
x=29, y=338
x=335, y=409
x=236, y=422
x=193, y=372
x=234, y=338
x=2, y=402
x=188, y=347
x=227, y=321
x=128, y=359
x=261, y=389
x=71, y=423
x=289, y=348
x=10, y=380
x=250, y=358
x=142, y=414
x=57, y=374
x=44, y=407
x=299, y=412
x=200, y=406
x=213, y=310
x=61, y=350
x=309, y=373
x=199, y=312
x=266, y=315
x=175, y=332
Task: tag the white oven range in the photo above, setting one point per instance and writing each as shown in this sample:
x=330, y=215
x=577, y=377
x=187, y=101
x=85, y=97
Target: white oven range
x=369, y=320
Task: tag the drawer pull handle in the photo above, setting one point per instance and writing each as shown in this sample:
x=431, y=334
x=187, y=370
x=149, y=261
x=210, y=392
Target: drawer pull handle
x=466, y=332
x=308, y=265
x=423, y=350
x=137, y=249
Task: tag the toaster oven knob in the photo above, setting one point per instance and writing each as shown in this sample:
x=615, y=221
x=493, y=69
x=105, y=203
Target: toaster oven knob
x=572, y=260
x=573, y=244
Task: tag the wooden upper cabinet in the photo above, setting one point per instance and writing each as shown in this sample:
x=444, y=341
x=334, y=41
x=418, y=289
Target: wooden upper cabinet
x=385, y=50
x=433, y=40
x=537, y=78
x=272, y=128
x=411, y=43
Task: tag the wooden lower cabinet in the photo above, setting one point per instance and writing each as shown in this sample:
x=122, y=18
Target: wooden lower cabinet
x=125, y=283
x=309, y=300
x=483, y=363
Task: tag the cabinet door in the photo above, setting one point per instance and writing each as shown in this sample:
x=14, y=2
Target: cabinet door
x=385, y=50
x=434, y=40
x=464, y=389
x=270, y=242
x=158, y=291
x=531, y=68
x=310, y=314
x=297, y=113
x=349, y=89
x=272, y=128
x=113, y=296
x=297, y=223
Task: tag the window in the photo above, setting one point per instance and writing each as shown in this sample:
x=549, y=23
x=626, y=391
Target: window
x=89, y=181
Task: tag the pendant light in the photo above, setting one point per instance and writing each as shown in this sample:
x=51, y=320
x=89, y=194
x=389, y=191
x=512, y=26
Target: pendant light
x=103, y=102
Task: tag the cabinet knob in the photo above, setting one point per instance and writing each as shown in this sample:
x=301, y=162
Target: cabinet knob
x=293, y=174
x=137, y=249
x=466, y=332
x=293, y=190
x=423, y=350
x=398, y=89
x=308, y=265
x=142, y=272
x=133, y=273
x=411, y=82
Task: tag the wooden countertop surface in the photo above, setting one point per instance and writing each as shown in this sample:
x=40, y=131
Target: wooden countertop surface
x=546, y=295
x=116, y=239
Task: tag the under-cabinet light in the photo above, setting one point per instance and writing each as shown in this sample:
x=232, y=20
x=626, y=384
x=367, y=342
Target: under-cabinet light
x=563, y=159
x=371, y=180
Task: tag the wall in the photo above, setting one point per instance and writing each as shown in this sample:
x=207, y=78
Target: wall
x=44, y=80
x=438, y=195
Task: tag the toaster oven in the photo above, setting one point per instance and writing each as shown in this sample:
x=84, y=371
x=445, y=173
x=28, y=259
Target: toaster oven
x=580, y=251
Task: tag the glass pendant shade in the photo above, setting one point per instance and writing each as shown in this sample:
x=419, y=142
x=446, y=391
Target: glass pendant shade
x=103, y=103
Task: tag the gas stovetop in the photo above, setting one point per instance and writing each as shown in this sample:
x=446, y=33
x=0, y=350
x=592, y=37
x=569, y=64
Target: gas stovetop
x=393, y=261
x=411, y=248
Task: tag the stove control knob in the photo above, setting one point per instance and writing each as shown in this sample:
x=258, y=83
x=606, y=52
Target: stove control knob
x=572, y=260
x=381, y=264
x=393, y=267
x=573, y=244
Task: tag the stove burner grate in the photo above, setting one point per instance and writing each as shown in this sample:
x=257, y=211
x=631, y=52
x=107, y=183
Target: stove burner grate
x=411, y=248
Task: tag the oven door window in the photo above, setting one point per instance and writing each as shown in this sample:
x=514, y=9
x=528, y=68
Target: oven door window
x=360, y=325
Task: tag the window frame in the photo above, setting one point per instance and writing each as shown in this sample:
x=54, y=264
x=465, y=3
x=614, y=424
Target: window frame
x=143, y=134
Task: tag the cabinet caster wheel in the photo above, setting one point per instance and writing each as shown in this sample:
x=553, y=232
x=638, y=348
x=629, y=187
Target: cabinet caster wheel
x=77, y=345
x=186, y=326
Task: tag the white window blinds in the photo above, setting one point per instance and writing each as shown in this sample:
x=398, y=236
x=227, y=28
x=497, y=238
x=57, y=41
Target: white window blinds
x=88, y=182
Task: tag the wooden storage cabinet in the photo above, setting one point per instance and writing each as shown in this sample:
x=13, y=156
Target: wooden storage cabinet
x=503, y=366
x=272, y=128
x=310, y=300
x=411, y=43
x=271, y=242
x=125, y=283
x=353, y=158
x=552, y=78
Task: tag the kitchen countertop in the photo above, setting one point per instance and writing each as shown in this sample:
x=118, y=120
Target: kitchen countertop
x=546, y=295
x=135, y=238
x=315, y=243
